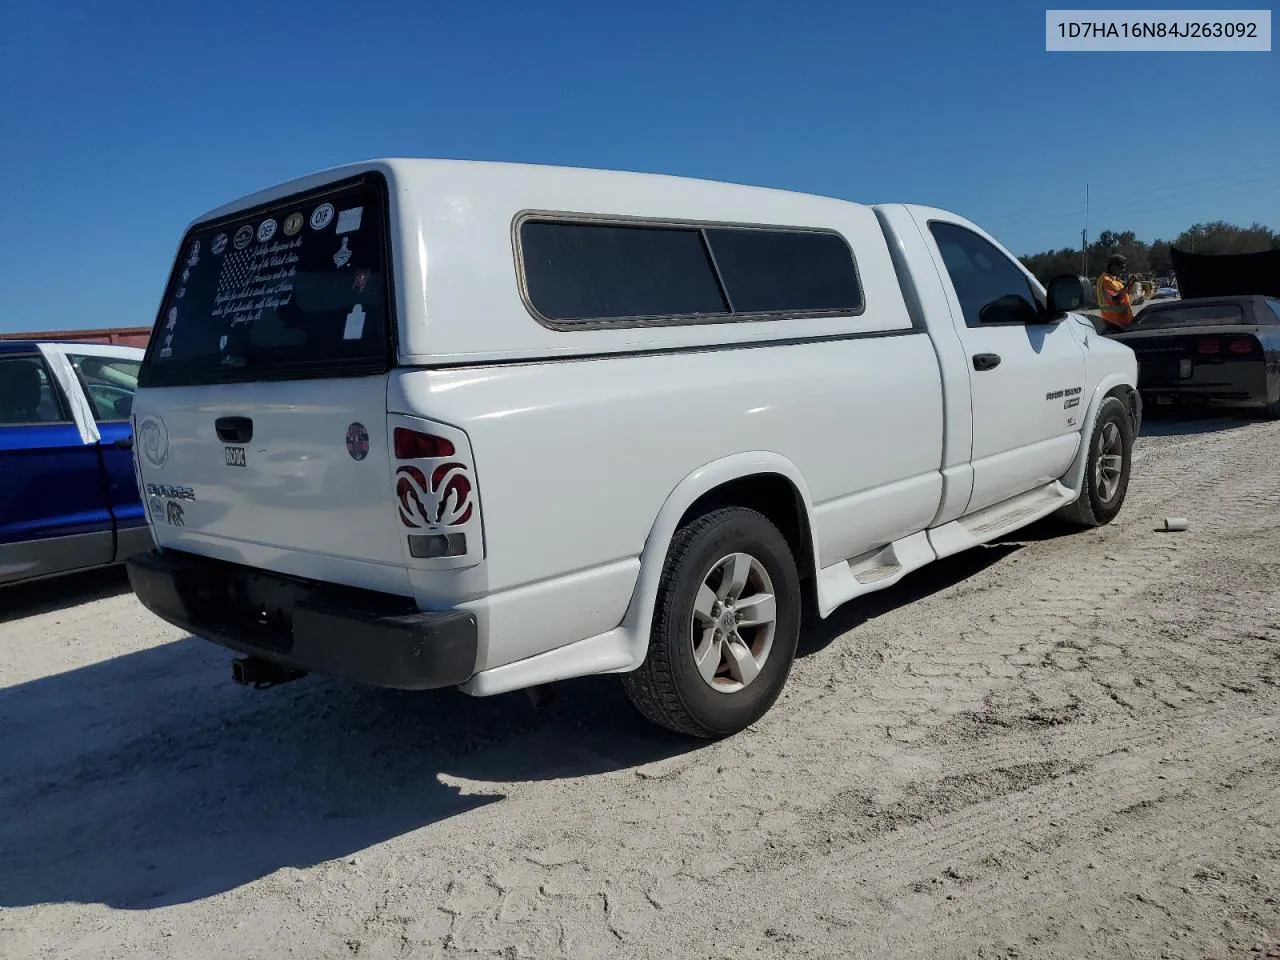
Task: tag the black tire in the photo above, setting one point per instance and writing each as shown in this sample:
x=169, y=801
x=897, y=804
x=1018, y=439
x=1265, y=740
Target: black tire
x=1092, y=509
x=667, y=688
x=1272, y=409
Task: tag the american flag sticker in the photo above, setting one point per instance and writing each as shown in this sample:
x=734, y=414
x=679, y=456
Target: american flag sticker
x=230, y=298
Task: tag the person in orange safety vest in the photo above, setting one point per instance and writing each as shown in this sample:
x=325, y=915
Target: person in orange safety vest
x=1113, y=294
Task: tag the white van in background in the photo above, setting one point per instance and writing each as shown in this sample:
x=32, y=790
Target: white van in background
x=427, y=423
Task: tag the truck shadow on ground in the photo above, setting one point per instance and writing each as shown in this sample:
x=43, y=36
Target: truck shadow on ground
x=149, y=779
x=61, y=593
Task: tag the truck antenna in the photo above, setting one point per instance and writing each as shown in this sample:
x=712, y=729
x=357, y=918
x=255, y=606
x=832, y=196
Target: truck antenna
x=1084, y=235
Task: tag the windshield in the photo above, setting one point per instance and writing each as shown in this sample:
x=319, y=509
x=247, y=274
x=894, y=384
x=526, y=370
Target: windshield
x=297, y=288
x=1209, y=314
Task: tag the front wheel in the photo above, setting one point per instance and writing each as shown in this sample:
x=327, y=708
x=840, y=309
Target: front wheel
x=725, y=626
x=1106, y=479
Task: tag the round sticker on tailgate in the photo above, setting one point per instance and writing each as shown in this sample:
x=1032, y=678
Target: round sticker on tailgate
x=153, y=438
x=357, y=441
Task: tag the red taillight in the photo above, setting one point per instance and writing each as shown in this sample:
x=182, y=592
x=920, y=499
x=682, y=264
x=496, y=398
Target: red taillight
x=412, y=445
x=1242, y=346
x=1209, y=346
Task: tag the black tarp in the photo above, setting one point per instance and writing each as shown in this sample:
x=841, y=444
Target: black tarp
x=1227, y=275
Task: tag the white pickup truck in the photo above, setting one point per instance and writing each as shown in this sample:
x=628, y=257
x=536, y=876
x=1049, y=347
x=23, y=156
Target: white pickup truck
x=426, y=423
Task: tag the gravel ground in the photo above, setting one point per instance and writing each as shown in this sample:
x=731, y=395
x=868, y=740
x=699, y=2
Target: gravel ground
x=1056, y=746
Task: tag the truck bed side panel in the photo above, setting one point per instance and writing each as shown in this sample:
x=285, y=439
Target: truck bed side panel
x=571, y=483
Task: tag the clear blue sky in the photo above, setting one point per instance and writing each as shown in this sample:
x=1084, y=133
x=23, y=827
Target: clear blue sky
x=122, y=121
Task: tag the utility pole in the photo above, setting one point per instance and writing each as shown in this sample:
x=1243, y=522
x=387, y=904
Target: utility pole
x=1084, y=235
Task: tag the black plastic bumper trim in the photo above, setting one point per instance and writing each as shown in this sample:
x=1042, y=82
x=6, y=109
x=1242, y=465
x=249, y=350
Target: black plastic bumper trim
x=360, y=635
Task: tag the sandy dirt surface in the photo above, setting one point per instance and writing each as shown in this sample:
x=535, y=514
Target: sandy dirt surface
x=1058, y=746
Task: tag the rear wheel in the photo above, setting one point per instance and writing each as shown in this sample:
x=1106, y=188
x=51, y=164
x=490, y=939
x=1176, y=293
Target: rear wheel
x=1272, y=409
x=725, y=626
x=1106, y=478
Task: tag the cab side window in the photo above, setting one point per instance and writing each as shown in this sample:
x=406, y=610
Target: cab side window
x=27, y=392
x=110, y=384
x=990, y=287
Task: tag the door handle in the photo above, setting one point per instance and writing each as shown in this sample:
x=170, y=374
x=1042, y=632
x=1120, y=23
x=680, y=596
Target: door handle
x=234, y=429
x=124, y=443
x=986, y=361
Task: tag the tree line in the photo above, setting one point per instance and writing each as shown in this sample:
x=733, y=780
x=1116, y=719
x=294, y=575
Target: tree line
x=1152, y=259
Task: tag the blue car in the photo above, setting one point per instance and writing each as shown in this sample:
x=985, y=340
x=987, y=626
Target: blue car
x=68, y=490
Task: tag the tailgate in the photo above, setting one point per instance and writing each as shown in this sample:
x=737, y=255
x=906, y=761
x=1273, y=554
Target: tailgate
x=261, y=411
x=299, y=465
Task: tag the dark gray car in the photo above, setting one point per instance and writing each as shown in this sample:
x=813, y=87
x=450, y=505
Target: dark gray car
x=1211, y=349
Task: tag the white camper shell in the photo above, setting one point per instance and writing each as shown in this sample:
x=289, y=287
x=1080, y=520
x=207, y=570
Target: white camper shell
x=428, y=423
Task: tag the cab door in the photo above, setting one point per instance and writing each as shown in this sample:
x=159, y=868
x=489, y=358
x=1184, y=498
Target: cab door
x=1026, y=376
x=54, y=515
x=109, y=382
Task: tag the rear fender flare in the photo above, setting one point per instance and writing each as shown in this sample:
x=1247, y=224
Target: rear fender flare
x=638, y=619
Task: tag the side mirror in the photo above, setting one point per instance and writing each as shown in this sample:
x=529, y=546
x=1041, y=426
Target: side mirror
x=1068, y=293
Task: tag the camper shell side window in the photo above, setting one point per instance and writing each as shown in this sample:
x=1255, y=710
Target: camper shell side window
x=584, y=272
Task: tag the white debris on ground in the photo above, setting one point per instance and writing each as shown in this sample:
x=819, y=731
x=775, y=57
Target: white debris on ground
x=1064, y=746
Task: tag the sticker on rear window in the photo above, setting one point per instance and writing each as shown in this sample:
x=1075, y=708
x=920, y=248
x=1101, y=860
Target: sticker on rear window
x=256, y=280
x=267, y=230
x=349, y=220
x=219, y=244
x=292, y=224
x=354, y=329
x=243, y=236
x=322, y=216
x=343, y=256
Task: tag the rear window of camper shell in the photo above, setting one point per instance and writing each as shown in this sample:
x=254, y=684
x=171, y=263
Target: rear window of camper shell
x=299, y=288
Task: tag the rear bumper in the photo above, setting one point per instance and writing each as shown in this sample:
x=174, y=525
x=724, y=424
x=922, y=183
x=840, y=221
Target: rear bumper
x=1240, y=381
x=369, y=637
